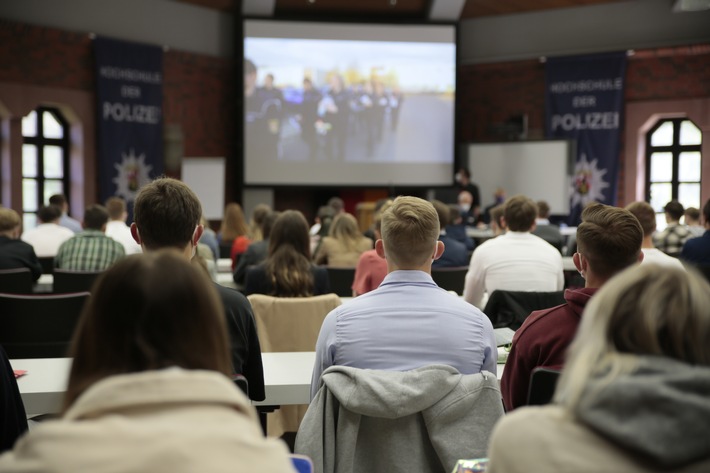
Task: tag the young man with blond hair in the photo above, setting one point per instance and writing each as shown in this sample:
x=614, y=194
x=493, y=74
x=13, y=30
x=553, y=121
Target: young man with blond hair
x=408, y=321
x=608, y=241
x=15, y=253
x=647, y=218
x=515, y=261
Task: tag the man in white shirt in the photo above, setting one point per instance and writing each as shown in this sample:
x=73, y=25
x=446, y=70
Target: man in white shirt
x=516, y=261
x=116, y=227
x=48, y=236
x=647, y=218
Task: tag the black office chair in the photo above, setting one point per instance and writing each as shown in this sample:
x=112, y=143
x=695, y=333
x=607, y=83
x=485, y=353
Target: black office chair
x=451, y=279
x=511, y=308
x=16, y=281
x=39, y=326
x=47, y=263
x=66, y=281
x=341, y=281
x=543, y=382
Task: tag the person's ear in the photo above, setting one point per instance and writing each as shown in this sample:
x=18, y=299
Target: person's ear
x=380, y=248
x=134, y=233
x=641, y=256
x=580, y=262
x=439, y=250
x=199, y=230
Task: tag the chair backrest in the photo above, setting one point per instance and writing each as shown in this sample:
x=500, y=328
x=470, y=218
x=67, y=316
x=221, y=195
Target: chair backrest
x=47, y=263
x=542, y=386
x=511, y=308
x=16, y=281
x=39, y=326
x=341, y=281
x=73, y=281
x=451, y=279
x=290, y=323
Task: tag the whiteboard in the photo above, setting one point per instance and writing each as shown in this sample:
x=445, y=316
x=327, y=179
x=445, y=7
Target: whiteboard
x=205, y=176
x=540, y=170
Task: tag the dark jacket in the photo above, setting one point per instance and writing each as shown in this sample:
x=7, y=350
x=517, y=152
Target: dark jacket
x=18, y=254
x=255, y=254
x=455, y=254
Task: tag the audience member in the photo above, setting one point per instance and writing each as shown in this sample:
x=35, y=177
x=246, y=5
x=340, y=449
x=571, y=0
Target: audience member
x=209, y=238
x=15, y=253
x=647, y=218
x=371, y=268
x=324, y=217
x=671, y=239
x=90, y=250
x=470, y=215
x=455, y=253
x=456, y=229
x=608, y=241
x=516, y=261
x=343, y=245
x=48, y=236
x=498, y=199
x=337, y=204
x=116, y=227
x=544, y=229
x=697, y=250
x=633, y=394
x=692, y=220
x=497, y=222
x=288, y=270
x=65, y=220
x=408, y=322
x=149, y=386
x=234, y=229
x=167, y=215
x=256, y=252
x=256, y=222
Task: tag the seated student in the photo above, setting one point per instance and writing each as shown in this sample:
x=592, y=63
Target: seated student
x=455, y=253
x=609, y=240
x=671, y=239
x=697, y=250
x=150, y=387
x=408, y=322
x=633, y=396
x=15, y=253
x=456, y=229
x=257, y=251
x=692, y=220
x=343, y=245
x=288, y=270
x=544, y=229
x=90, y=250
x=515, y=261
x=371, y=268
x=647, y=218
x=48, y=236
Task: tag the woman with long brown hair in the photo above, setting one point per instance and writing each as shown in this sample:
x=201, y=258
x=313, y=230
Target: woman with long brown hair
x=344, y=244
x=234, y=231
x=288, y=270
x=149, y=387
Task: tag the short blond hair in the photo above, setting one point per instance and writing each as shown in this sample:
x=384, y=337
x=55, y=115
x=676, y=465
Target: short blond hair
x=410, y=230
x=9, y=220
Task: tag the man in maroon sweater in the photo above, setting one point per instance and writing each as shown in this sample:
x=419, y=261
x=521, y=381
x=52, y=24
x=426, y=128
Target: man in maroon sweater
x=608, y=240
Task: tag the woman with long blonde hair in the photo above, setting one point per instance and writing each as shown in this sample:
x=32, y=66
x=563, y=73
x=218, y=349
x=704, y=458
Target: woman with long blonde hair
x=634, y=395
x=344, y=243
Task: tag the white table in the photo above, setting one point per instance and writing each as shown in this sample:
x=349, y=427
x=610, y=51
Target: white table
x=287, y=380
x=224, y=265
x=46, y=281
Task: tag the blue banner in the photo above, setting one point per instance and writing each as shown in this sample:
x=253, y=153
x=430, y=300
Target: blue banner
x=584, y=99
x=129, y=95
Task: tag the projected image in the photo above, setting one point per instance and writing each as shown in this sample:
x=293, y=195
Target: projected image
x=327, y=101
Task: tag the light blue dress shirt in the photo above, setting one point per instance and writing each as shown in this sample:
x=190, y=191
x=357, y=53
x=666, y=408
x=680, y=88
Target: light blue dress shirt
x=406, y=323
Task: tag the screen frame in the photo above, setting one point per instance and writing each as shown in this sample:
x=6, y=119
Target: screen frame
x=240, y=148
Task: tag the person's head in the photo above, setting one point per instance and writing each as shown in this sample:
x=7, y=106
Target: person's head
x=49, y=214
x=268, y=224
x=608, y=240
x=674, y=211
x=95, y=218
x=463, y=176
x=269, y=81
x=148, y=312
x=344, y=229
x=337, y=204
x=233, y=223
x=454, y=214
x=498, y=224
x=465, y=200
x=249, y=77
x=543, y=209
x=648, y=310
x=520, y=213
x=256, y=223
x=692, y=216
x=9, y=223
x=167, y=213
x=410, y=234
x=442, y=210
x=645, y=215
x=336, y=82
x=289, y=261
x=499, y=195
x=60, y=201
x=116, y=208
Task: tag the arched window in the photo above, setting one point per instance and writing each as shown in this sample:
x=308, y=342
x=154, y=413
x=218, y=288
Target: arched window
x=673, y=165
x=45, y=163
